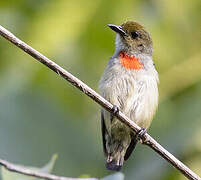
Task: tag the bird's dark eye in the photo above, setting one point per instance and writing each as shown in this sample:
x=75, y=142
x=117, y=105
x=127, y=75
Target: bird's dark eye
x=135, y=34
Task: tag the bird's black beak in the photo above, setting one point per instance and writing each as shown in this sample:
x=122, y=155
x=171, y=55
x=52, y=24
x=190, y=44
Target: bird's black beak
x=118, y=29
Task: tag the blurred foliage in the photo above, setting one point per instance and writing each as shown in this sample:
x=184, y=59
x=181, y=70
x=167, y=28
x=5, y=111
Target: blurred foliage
x=41, y=114
x=8, y=175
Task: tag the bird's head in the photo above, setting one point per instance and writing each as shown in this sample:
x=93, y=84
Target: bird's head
x=132, y=38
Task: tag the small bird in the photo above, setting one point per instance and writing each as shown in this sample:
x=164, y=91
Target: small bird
x=130, y=83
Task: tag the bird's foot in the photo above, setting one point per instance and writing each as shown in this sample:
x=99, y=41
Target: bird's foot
x=140, y=135
x=115, y=110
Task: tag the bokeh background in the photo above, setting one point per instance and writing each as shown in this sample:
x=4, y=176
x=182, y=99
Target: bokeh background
x=41, y=114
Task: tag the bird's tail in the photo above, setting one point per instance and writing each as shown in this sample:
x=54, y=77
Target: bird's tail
x=114, y=163
x=119, y=153
x=113, y=166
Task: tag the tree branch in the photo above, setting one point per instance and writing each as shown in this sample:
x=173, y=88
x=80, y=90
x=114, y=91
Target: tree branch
x=25, y=171
x=148, y=140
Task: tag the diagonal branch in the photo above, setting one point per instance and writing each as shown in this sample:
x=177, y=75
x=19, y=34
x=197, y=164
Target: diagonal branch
x=148, y=140
x=25, y=171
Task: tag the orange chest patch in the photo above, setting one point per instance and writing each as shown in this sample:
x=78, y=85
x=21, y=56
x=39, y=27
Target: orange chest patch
x=130, y=62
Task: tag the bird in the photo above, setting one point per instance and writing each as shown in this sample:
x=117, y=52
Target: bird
x=130, y=83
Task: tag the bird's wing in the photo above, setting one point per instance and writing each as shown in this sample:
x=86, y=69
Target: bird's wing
x=131, y=147
x=104, y=131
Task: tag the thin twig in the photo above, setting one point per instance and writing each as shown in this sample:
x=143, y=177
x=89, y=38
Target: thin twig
x=25, y=171
x=148, y=140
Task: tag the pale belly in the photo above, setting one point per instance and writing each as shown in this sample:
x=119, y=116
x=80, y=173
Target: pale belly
x=142, y=104
x=137, y=98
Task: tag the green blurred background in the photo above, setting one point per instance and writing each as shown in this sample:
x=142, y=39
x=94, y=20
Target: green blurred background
x=41, y=114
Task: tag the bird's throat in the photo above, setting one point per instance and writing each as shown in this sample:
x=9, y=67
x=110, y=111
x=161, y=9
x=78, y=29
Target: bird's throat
x=130, y=62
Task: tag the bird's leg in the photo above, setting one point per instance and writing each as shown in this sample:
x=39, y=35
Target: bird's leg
x=140, y=135
x=115, y=110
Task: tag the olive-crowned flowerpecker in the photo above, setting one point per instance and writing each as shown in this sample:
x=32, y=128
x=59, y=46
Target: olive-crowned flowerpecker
x=130, y=84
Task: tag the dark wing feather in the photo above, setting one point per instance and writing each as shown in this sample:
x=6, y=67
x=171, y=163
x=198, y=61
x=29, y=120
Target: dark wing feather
x=104, y=131
x=131, y=147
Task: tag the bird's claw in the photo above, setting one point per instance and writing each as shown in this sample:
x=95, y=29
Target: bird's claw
x=140, y=135
x=115, y=110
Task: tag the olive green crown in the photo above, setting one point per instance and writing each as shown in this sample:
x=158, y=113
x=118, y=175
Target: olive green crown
x=130, y=26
